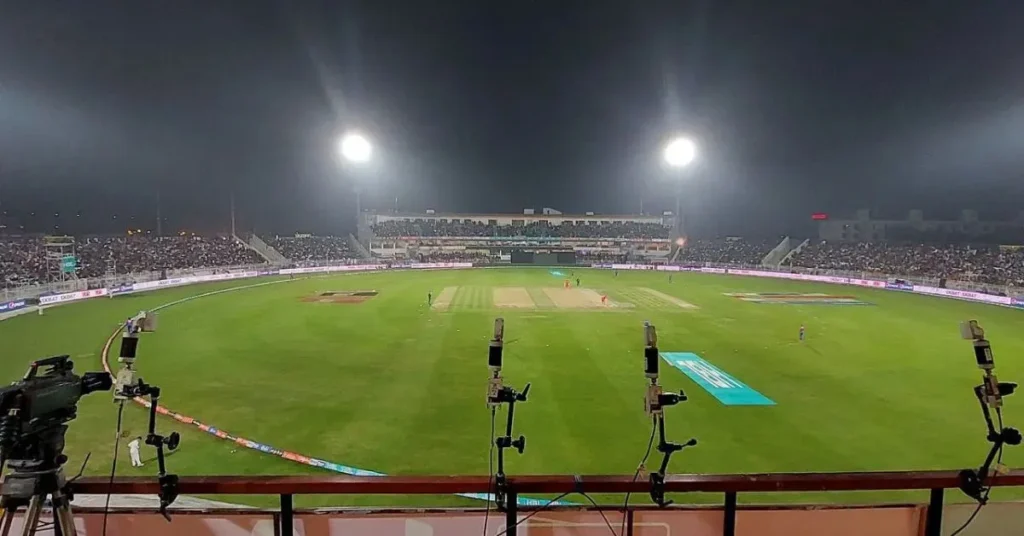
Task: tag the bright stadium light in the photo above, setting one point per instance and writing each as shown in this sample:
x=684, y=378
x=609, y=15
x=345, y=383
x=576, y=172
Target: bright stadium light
x=355, y=148
x=680, y=152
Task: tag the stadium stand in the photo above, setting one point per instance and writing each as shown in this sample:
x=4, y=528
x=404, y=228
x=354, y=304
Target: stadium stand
x=303, y=249
x=533, y=229
x=984, y=264
x=731, y=250
x=23, y=259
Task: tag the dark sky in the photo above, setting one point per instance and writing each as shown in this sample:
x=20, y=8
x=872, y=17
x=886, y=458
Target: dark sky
x=798, y=106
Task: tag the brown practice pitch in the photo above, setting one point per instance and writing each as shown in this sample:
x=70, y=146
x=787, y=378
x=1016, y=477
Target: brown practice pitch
x=575, y=298
x=513, y=297
x=345, y=296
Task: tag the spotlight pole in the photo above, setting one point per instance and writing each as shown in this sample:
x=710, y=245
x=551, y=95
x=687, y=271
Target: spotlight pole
x=357, y=150
x=678, y=154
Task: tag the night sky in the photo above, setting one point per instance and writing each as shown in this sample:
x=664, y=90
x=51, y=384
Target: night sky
x=798, y=106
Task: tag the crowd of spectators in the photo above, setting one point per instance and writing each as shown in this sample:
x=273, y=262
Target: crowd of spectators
x=24, y=260
x=726, y=251
x=534, y=229
x=478, y=257
x=312, y=248
x=983, y=264
x=595, y=257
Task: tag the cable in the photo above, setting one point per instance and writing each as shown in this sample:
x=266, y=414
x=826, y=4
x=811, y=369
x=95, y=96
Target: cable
x=639, y=468
x=535, y=512
x=82, y=469
x=113, y=465
x=490, y=471
x=968, y=522
x=988, y=490
x=600, y=511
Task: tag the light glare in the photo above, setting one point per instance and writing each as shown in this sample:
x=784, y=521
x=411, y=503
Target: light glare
x=356, y=148
x=680, y=152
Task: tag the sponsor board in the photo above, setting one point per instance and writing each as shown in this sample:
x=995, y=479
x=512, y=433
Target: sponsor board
x=728, y=390
x=900, y=286
x=796, y=298
x=1018, y=302
x=72, y=296
x=122, y=289
x=13, y=305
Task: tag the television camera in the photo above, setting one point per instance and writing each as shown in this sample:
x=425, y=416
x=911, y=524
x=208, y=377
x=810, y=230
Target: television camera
x=34, y=413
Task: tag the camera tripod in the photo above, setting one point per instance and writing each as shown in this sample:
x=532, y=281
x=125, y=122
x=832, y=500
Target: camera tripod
x=28, y=485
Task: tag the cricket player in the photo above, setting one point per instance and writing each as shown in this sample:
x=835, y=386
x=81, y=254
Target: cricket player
x=577, y=281
x=430, y=299
x=133, y=449
x=803, y=331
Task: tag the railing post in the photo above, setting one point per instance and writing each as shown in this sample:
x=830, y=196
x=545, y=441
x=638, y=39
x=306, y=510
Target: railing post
x=287, y=520
x=933, y=517
x=511, y=506
x=629, y=521
x=729, y=524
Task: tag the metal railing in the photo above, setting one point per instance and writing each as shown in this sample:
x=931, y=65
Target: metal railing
x=729, y=485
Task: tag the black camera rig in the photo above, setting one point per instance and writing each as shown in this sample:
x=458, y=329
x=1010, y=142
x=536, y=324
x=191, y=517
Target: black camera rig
x=497, y=394
x=655, y=402
x=974, y=483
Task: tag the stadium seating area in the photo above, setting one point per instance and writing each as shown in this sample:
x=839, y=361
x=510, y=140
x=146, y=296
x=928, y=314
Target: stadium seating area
x=23, y=260
x=984, y=264
x=434, y=228
x=312, y=248
x=454, y=256
x=727, y=251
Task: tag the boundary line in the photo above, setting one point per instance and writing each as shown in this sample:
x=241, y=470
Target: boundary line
x=267, y=449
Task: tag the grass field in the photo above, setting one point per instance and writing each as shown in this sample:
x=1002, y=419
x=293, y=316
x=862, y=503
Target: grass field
x=391, y=384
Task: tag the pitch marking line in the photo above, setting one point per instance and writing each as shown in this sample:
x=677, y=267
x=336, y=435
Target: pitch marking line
x=671, y=299
x=444, y=299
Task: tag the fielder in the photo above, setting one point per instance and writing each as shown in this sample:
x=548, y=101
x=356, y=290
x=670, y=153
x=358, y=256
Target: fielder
x=133, y=450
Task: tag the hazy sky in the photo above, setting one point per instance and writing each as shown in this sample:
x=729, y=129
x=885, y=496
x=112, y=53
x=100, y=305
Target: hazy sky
x=798, y=106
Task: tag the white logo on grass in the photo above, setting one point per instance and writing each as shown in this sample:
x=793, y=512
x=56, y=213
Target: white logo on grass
x=711, y=375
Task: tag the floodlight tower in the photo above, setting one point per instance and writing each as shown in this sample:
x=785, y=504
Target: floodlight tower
x=356, y=150
x=678, y=154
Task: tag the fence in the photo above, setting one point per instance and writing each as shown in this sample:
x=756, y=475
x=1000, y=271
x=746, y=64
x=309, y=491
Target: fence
x=729, y=518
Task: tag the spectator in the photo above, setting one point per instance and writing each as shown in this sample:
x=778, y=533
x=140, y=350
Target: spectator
x=312, y=248
x=534, y=229
x=23, y=261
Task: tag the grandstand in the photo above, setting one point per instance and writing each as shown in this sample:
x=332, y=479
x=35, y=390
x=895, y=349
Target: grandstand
x=500, y=237
x=125, y=265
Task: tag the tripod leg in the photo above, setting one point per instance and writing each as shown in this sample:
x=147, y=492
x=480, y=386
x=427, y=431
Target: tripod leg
x=63, y=519
x=8, y=520
x=35, y=507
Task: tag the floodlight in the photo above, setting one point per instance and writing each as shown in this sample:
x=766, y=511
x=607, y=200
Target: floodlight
x=680, y=152
x=355, y=148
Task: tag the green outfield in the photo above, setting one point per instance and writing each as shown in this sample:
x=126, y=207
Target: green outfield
x=383, y=381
